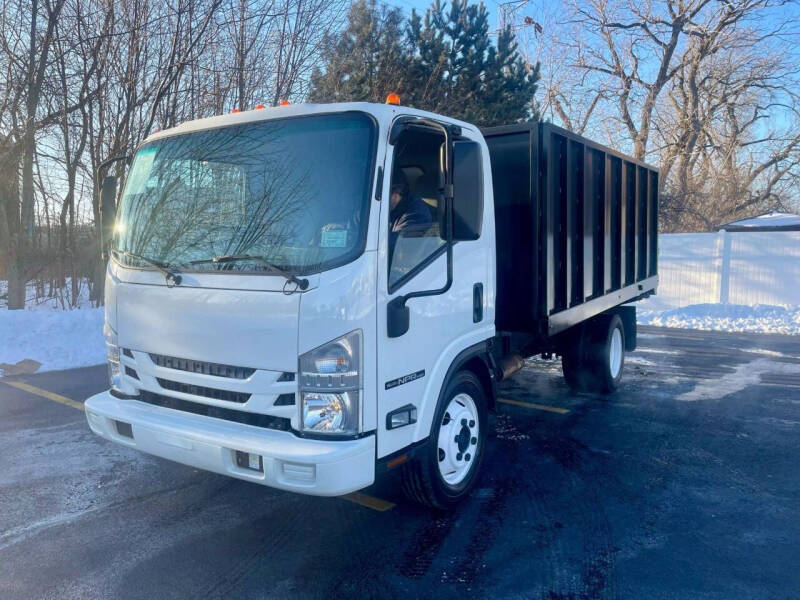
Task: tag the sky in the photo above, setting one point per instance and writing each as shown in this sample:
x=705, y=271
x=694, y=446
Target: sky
x=421, y=5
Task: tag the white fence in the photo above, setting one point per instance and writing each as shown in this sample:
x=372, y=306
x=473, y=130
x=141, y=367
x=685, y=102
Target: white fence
x=729, y=268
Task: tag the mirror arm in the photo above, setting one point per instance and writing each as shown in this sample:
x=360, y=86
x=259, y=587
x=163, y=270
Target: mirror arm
x=402, y=123
x=109, y=161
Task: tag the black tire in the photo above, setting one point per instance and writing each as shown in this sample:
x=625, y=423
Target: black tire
x=586, y=362
x=422, y=480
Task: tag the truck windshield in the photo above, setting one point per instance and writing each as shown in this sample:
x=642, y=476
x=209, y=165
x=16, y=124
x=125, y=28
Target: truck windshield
x=293, y=191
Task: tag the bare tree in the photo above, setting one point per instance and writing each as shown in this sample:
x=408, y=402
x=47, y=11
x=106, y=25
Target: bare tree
x=85, y=80
x=706, y=88
x=728, y=133
x=28, y=44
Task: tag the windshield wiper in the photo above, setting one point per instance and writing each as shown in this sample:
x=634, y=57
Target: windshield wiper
x=172, y=277
x=301, y=283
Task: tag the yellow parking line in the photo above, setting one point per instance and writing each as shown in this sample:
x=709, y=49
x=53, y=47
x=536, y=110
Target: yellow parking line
x=555, y=409
x=369, y=501
x=32, y=389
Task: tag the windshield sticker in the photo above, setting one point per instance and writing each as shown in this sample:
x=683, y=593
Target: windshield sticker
x=335, y=238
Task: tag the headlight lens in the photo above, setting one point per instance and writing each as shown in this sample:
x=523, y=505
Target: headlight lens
x=112, y=355
x=330, y=386
x=330, y=413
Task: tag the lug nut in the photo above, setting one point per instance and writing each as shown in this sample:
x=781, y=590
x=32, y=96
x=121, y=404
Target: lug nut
x=472, y=423
x=458, y=456
x=464, y=422
x=473, y=441
x=467, y=457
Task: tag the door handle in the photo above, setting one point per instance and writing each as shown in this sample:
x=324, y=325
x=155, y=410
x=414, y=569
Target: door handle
x=477, y=303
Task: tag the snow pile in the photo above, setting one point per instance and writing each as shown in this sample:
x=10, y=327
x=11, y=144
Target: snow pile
x=59, y=339
x=761, y=318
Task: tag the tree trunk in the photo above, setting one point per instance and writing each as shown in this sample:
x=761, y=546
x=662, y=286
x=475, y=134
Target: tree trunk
x=10, y=225
x=16, y=284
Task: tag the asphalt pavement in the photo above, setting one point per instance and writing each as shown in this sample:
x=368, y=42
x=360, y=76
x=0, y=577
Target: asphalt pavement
x=684, y=484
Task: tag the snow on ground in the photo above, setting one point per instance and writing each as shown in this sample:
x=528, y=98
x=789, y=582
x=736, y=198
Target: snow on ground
x=64, y=339
x=761, y=318
x=59, y=299
x=59, y=339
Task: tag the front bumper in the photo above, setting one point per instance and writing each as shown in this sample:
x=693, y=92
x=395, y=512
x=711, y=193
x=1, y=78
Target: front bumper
x=317, y=467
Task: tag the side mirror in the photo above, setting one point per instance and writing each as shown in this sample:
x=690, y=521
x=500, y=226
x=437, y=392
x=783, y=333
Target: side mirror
x=108, y=209
x=397, y=317
x=467, y=191
x=108, y=196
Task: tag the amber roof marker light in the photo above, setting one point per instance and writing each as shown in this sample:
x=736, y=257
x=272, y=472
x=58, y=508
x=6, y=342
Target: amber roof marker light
x=393, y=99
x=285, y=103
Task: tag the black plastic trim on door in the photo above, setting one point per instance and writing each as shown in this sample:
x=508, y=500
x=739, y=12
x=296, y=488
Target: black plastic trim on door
x=477, y=303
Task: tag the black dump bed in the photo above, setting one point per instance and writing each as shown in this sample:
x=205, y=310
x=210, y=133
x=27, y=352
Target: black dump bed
x=576, y=228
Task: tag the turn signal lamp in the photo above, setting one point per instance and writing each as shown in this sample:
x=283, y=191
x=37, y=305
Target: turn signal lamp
x=285, y=103
x=393, y=99
x=235, y=110
x=260, y=107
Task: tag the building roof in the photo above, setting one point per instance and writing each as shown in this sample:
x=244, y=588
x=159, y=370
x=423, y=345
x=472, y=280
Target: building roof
x=771, y=221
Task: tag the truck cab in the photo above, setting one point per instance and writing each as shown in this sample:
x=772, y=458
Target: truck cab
x=304, y=296
x=239, y=370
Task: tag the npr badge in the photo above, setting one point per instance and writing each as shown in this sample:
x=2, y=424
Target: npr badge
x=405, y=379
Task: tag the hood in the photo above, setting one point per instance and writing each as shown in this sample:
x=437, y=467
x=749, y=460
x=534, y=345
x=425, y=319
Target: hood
x=245, y=328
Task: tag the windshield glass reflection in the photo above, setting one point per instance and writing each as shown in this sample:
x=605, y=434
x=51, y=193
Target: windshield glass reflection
x=294, y=192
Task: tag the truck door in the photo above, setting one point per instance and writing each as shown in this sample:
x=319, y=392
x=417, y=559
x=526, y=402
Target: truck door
x=413, y=258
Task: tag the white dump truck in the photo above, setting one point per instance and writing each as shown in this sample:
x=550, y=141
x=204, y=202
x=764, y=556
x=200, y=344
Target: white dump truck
x=309, y=295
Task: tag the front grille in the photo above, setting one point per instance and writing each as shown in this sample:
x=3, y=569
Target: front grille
x=198, y=366
x=284, y=400
x=206, y=392
x=227, y=414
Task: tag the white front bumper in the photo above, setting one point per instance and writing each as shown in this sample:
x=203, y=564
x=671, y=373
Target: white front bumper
x=318, y=467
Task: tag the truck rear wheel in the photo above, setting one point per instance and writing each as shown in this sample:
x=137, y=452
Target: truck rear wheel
x=594, y=360
x=447, y=469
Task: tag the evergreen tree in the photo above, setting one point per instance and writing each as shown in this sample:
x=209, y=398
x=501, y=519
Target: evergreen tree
x=444, y=63
x=367, y=60
x=457, y=71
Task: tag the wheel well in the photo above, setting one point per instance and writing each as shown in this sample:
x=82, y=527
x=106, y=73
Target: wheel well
x=478, y=366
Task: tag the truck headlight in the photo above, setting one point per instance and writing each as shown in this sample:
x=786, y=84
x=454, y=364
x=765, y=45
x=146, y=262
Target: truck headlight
x=326, y=412
x=112, y=355
x=330, y=385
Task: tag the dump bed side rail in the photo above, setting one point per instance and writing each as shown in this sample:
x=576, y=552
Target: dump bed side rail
x=595, y=214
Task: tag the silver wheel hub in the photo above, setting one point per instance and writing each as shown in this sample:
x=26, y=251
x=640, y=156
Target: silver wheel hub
x=615, y=353
x=458, y=439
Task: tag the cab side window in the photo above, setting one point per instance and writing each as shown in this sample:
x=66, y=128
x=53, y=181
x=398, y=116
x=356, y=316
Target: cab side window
x=415, y=202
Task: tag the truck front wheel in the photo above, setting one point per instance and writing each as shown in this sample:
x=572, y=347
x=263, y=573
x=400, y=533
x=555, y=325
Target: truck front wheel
x=447, y=469
x=594, y=359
